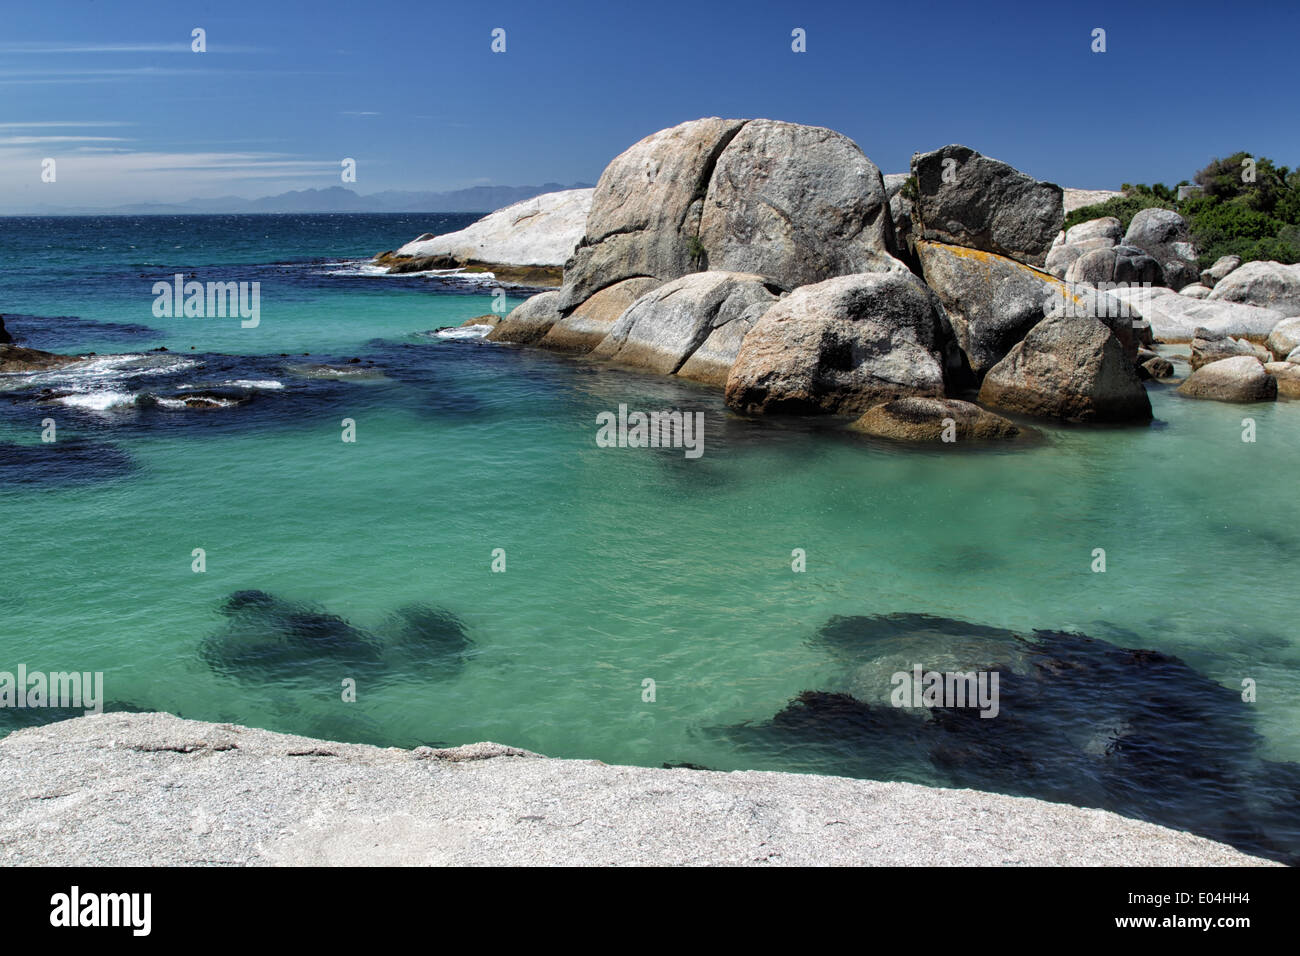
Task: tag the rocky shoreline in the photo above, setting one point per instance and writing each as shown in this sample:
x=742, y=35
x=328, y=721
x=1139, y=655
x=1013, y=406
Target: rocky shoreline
x=774, y=261
x=153, y=789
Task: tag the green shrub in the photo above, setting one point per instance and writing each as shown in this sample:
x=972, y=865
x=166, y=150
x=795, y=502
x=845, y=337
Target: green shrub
x=1257, y=219
x=1123, y=208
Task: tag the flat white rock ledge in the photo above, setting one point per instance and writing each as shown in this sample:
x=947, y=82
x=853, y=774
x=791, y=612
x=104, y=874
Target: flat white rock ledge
x=541, y=231
x=153, y=789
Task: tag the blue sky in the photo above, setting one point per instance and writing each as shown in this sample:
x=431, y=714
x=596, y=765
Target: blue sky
x=413, y=92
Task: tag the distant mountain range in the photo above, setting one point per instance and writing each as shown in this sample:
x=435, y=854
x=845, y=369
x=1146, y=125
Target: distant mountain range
x=334, y=199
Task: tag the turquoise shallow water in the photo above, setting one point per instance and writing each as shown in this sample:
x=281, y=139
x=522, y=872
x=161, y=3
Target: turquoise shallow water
x=621, y=564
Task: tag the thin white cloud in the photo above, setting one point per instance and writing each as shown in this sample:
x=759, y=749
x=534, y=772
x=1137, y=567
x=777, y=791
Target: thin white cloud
x=39, y=140
x=359, y=113
x=74, y=47
x=56, y=124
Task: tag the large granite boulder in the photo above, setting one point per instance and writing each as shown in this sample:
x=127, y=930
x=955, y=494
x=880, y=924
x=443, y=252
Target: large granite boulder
x=991, y=301
x=919, y=419
x=986, y=204
x=1269, y=285
x=1287, y=375
x=797, y=204
x=1060, y=257
x=538, y=231
x=529, y=321
x=1196, y=291
x=1063, y=254
x=662, y=329
x=645, y=213
x=586, y=326
x=1209, y=346
x=1222, y=267
x=1123, y=264
x=1239, y=379
x=1285, y=338
x=1175, y=318
x=1165, y=236
x=844, y=345
x=711, y=362
x=1107, y=228
x=1071, y=368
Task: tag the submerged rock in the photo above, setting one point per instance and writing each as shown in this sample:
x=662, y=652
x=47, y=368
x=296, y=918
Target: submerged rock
x=68, y=461
x=1078, y=720
x=270, y=640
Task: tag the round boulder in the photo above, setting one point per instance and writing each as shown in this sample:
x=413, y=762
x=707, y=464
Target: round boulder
x=1165, y=236
x=842, y=346
x=1285, y=338
x=946, y=420
x=797, y=204
x=1239, y=379
x=1071, y=368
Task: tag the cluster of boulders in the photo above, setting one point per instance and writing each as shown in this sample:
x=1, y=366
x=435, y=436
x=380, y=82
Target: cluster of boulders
x=775, y=261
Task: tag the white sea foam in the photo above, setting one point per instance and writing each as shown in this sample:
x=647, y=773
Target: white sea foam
x=182, y=403
x=464, y=332
x=98, y=401
x=358, y=267
x=267, y=383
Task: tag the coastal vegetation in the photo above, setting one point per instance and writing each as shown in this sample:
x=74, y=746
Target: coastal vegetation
x=1241, y=205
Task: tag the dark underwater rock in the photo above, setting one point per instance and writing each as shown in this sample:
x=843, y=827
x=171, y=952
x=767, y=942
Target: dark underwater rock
x=270, y=640
x=1079, y=720
x=19, y=718
x=67, y=461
